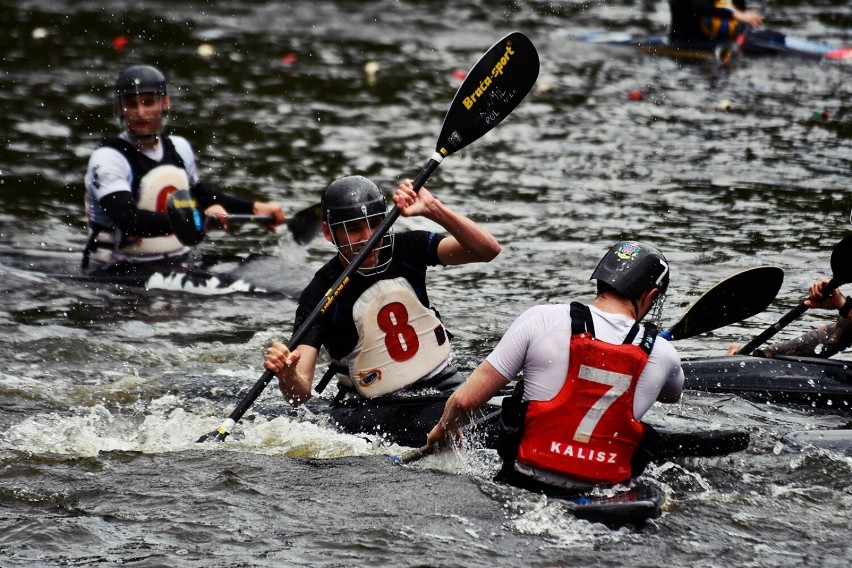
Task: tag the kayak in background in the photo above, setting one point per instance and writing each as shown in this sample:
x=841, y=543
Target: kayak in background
x=808, y=381
x=204, y=274
x=759, y=43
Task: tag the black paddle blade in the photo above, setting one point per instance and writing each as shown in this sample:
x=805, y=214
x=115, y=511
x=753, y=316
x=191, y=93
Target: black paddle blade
x=187, y=222
x=841, y=261
x=306, y=224
x=734, y=299
x=492, y=89
x=208, y=437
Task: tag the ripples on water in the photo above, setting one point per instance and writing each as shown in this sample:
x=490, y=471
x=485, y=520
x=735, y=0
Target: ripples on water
x=104, y=390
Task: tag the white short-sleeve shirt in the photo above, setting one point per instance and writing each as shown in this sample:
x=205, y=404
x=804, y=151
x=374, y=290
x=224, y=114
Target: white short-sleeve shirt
x=538, y=344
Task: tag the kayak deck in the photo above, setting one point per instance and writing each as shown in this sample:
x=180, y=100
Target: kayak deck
x=810, y=381
x=837, y=440
x=641, y=502
x=406, y=420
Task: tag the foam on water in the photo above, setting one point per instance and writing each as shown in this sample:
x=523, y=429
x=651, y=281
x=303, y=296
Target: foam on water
x=166, y=424
x=211, y=286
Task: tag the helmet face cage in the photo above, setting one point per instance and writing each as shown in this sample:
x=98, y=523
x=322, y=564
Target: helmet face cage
x=655, y=313
x=138, y=80
x=349, y=249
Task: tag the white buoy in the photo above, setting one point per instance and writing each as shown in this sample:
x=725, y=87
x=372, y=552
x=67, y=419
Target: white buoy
x=206, y=50
x=371, y=69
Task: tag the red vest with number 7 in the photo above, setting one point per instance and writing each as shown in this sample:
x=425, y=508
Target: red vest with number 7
x=588, y=431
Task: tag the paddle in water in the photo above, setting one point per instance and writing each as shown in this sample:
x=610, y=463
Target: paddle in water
x=190, y=225
x=734, y=299
x=492, y=89
x=841, y=268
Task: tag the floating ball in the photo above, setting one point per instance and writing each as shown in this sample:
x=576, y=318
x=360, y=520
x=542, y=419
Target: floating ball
x=205, y=50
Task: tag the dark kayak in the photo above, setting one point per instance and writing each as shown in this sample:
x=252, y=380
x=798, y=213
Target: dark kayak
x=758, y=43
x=632, y=506
x=406, y=420
x=810, y=381
x=208, y=274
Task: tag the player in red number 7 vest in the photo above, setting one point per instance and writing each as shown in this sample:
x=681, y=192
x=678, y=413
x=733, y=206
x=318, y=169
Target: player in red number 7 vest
x=381, y=333
x=130, y=177
x=590, y=373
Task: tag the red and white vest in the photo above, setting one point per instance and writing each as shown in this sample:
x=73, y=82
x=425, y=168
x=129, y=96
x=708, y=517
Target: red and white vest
x=588, y=431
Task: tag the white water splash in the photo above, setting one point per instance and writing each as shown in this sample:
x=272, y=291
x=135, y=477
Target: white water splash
x=165, y=425
x=211, y=286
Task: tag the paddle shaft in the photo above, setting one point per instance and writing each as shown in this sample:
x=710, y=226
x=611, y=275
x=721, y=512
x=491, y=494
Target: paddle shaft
x=412, y=456
x=793, y=314
x=244, y=218
x=329, y=298
x=304, y=224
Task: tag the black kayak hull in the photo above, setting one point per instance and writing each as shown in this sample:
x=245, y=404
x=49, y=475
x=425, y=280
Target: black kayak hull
x=406, y=420
x=814, y=382
x=206, y=274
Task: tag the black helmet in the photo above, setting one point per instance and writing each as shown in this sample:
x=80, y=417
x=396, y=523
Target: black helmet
x=351, y=197
x=355, y=198
x=632, y=267
x=136, y=80
x=140, y=79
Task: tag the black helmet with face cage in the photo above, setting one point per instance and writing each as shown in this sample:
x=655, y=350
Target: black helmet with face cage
x=355, y=198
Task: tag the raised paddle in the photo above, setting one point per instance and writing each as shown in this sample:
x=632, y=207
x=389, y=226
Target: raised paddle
x=841, y=268
x=492, y=89
x=734, y=299
x=190, y=225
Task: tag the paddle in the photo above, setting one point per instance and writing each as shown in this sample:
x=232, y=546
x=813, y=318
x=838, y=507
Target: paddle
x=416, y=454
x=841, y=268
x=190, y=226
x=734, y=299
x=492, y=89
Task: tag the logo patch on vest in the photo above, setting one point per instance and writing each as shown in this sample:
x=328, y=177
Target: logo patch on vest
x=440, y=335
x=369, y=379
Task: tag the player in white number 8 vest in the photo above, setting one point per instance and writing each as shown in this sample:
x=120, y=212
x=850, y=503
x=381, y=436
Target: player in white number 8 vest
x=381, y=333
x=590, y=373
